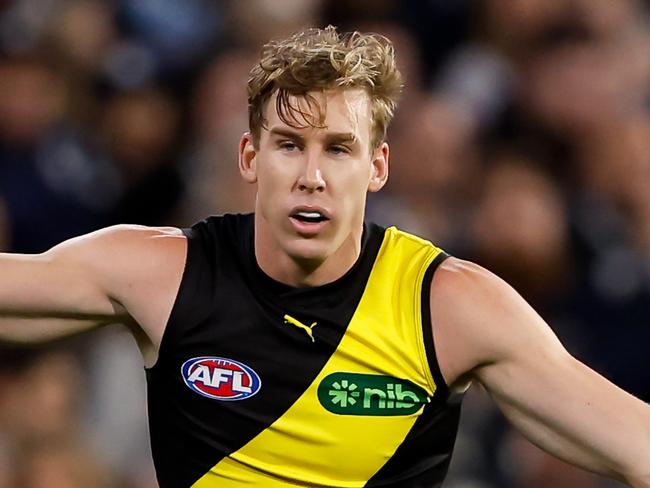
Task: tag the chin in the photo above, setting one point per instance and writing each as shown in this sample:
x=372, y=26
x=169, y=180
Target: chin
x=308, y=250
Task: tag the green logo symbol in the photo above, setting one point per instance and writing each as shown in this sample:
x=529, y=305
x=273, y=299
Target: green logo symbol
x=344, y=393
x=369, y=394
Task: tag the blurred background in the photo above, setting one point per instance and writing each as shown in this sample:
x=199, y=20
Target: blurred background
x=522, y=142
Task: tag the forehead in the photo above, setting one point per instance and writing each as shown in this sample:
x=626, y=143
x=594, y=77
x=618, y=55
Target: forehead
x=345, y=110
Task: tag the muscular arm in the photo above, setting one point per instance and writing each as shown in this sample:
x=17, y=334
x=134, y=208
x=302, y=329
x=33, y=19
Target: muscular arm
x=122, y=274
x=50, y=295
x=485, y=331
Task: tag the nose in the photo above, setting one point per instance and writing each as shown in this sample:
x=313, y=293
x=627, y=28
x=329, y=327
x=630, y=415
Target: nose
x=311, y=177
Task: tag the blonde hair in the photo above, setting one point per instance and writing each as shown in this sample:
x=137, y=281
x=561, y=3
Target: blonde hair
x=318, y=60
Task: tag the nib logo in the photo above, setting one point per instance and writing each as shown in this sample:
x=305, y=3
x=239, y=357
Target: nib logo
x=367, y=394
x=344, y=393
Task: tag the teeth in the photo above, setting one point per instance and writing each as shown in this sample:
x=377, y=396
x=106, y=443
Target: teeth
x=310, y=215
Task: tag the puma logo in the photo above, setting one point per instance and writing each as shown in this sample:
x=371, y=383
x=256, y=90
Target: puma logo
x=290, y=320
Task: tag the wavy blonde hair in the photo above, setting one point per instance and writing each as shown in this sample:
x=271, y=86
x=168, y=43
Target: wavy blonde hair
x=318, y=60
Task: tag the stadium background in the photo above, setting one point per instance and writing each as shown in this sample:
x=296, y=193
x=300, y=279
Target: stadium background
x=522, y=142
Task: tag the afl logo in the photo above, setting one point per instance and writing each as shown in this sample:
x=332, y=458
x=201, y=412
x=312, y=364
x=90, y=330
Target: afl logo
x=220, y=378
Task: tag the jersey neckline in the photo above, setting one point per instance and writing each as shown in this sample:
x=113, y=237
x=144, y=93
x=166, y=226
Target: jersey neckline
x=371, y=239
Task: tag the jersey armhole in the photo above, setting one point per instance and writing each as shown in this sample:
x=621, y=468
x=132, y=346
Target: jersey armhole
x=179, y=300
x=427, y=330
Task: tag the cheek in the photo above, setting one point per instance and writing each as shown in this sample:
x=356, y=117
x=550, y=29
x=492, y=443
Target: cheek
x=274, y=186
x=270, y=182
x=355, y=193
x=276, y=173
x=269, y=198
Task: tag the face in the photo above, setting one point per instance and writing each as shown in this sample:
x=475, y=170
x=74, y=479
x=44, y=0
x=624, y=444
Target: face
x=312, y=183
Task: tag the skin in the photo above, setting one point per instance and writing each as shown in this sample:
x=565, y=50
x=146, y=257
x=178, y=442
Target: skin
x=483, y=330
x=331, y=168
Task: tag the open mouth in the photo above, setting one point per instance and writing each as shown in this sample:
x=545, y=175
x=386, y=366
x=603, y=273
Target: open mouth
x=311, y=217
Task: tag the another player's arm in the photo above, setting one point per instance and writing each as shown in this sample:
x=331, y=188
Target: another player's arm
x=485, y=331
x=122, y=274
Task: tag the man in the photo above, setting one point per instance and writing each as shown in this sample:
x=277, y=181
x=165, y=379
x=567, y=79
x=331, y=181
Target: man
x=299, y=346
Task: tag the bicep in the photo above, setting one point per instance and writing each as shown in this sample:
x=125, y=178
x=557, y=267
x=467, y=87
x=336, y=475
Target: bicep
x=495, y=337
x=65, y=290
x=42, y=300
x=58, y=283
x=562, y=406
x=36, y=330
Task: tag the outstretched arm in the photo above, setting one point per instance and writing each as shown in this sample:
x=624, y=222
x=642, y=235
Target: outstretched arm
x=485, y=331
x=54, y=294
x=122, y=274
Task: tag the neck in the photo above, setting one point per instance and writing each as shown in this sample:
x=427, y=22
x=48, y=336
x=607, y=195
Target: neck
x=301, y=272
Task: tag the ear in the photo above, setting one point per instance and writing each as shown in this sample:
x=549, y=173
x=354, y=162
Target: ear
x=379, y=174
x=247, y=158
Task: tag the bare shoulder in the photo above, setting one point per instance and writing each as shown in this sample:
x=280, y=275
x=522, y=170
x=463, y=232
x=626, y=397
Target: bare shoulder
x=123, y=274
x=457, y=275
x=469, y=289
x=138, y=268
x=119, y=238
x=117, y=249
x=478, y=319
x=133, y=261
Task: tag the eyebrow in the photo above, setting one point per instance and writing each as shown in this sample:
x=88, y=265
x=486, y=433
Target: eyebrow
x=331, y=137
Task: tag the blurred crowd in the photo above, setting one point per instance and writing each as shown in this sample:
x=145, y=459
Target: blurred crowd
x=522, y=142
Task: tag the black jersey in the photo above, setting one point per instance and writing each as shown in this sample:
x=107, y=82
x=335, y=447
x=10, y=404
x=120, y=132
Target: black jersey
x=262, y=384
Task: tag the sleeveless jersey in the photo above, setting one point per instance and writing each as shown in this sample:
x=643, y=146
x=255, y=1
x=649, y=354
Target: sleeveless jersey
x=262, y=384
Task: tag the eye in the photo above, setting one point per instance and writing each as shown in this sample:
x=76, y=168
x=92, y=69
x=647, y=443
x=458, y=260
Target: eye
x=288, y=145
x=338, y=149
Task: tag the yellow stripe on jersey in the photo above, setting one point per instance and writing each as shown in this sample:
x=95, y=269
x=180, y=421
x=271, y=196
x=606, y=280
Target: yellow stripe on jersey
x=311, y=446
